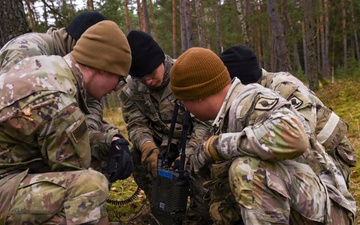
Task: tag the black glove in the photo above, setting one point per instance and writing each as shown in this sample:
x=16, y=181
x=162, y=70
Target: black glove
x=120, y=161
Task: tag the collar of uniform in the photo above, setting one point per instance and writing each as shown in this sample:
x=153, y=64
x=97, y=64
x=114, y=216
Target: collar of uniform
x=226, y=104
x=80, y=84
x=62, y=42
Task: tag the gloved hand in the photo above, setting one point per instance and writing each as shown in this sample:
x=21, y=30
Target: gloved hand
x=207, y=154
x=120, y=163
x=149, y=157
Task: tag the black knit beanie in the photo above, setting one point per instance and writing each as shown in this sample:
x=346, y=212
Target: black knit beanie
x=242, y=63
x=82, y=22
x=146, y=53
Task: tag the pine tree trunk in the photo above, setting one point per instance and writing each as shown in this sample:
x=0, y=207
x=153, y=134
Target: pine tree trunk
x=356, y=39
x=218, y=27
x=198, y=22
x=343, y=25
x=188, y=22
x=155, y=35
x=127, y=16
x=146, y=17
x=287, y=20
x=174, y=28
x=311, y=70
x=184, y=43
x=90, y=5
x=140, y=15
x=240, y=10
x=278, y=37
x=12, y=20
x=326, y=62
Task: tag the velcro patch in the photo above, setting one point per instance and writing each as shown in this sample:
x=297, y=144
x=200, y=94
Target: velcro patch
x=266, y=104
x=295, y=101
x=79, y=131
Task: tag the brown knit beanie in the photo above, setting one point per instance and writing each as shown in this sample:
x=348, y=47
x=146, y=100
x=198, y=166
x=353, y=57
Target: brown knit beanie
x=198, y=73
x=104, y=46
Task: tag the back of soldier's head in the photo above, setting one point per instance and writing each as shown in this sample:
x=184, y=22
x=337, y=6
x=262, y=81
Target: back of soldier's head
x=82, y=22
x=242, y=63
x=198, y=73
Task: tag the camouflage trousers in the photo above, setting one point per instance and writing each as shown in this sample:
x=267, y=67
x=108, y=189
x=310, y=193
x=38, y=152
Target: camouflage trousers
x=251, y=191
x=198, y=210
x=73, y=197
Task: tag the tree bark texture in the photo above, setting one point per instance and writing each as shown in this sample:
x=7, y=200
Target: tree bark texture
x=146, y=17
x=311, y=71
x=174, y=45
x=278, y=37
x=12, y=20
x=198, y=22
x=218, y=27
x=240, y=10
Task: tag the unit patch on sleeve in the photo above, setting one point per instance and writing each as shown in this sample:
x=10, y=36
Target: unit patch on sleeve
x=295, y=101
x=266, y=104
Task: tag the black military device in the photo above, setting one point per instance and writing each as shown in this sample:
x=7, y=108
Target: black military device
x=170, y=190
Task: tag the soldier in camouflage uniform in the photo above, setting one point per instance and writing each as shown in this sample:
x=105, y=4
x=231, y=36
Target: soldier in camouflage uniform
x=44, y=143
x=61, y=42
x=257, y=137
x=336, y=153
x=330, y=130
x=147, y=107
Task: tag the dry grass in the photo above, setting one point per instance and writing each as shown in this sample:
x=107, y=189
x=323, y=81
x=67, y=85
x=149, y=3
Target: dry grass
x=343, y=98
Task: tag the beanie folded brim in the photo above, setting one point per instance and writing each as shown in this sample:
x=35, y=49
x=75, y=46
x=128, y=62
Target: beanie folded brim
x=201, y=90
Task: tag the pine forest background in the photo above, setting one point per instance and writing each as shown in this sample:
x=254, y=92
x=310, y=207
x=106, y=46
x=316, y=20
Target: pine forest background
x=316, y=40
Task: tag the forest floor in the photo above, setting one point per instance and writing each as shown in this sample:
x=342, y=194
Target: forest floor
x=343, y=97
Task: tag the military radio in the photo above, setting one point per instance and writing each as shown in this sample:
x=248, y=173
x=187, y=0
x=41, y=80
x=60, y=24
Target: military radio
x=170, y=190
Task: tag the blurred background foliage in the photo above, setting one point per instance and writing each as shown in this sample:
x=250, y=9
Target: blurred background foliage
x=314, y=40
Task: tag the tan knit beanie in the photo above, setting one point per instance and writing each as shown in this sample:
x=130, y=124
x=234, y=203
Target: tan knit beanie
x=104, y=46
x=198, y=73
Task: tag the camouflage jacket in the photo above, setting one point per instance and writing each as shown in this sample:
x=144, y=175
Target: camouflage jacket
x=54, y=42
x=59, y=42
x=257, y=122
x=148, y=114
x=42, y=116
x=319, y=120
x=330, y=130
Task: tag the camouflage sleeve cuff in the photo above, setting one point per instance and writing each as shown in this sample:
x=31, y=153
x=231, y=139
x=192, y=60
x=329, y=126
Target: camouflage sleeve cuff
x=230, y=145
x=211, y=149
x=281, y=137
x=109, y=136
